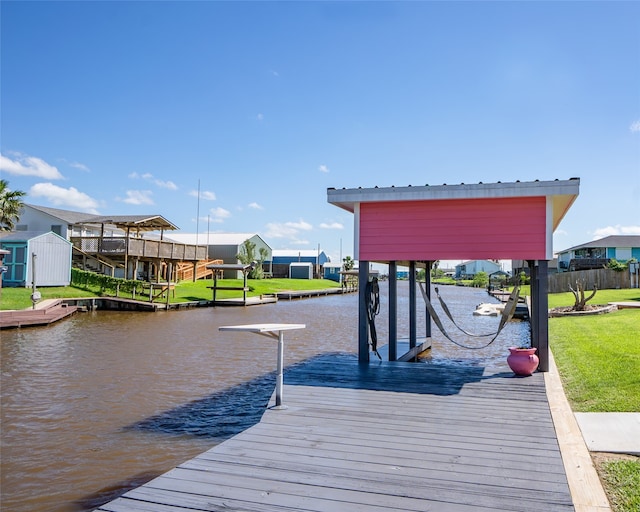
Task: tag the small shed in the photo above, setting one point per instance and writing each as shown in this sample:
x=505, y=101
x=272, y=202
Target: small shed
x=282, y=258
x=331, y=271
x=49, y=252
x=301, y=270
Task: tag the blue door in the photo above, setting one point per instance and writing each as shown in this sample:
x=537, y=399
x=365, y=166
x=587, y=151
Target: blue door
x=16, y=263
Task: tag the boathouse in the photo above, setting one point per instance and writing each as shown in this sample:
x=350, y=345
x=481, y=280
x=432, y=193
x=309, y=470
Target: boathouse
x=416, y=225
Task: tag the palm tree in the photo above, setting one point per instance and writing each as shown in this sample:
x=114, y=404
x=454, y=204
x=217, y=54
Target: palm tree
x=10, y=206
x=247, y=256
x=348, y=263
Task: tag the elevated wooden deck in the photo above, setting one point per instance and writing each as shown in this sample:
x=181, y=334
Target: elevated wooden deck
x=380, y=437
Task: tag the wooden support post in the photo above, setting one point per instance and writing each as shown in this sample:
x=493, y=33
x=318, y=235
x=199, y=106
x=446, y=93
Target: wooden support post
x=244, y=286
x=363, y=324
x=412, y=305
x=541, y=312
x=393, y=311
x=169, y=276
x=532, y=317
x=427, y=285
x=215, y=285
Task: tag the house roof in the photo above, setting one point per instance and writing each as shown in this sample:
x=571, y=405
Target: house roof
x=294, y=253
x=609, y=241
x=138, y=222
x=563, y=193
x=23, y=236
x=68, y=216
x=212, y=238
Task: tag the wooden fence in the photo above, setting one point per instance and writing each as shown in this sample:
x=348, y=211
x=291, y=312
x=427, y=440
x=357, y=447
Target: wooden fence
x=603, y=278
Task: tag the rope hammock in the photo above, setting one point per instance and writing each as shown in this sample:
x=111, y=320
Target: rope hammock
x=507, y=314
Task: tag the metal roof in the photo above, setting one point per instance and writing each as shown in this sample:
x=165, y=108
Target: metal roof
x=68, y=216
x=563, y=193
x=24, y=236
x=294, y=253
x=230, y=266
x=139, y=222
x=212, y=238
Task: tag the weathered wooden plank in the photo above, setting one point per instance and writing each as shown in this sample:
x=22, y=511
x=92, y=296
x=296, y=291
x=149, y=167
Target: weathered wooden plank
x=391, y=436
x=408, y=451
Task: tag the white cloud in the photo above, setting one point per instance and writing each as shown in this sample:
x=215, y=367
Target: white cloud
x=149, y=177
x=166, y=184
x=78, y=165
x=70, y=197
x=331, y=225
x=255, y=206
x=635, y=126
x=323, y=168
x=24, y=165
x=138, y=197
x=616, y=230
x=288, y=230
x=274, y=72
x=204, y=194
x=218, y=215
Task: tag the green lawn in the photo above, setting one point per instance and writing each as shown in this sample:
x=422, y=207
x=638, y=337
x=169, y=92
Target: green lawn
x=20, y=298
x=598, y=357
x=622, y=482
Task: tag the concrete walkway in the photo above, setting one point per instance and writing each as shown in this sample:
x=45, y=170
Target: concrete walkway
x=614, y=432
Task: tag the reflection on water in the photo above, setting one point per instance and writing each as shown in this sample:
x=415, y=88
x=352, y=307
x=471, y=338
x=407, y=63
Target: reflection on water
x=107, y=400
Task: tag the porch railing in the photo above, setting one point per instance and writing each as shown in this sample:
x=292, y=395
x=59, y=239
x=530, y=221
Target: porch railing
x=140, y=248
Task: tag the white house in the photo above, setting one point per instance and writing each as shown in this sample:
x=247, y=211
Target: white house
x=468, y=269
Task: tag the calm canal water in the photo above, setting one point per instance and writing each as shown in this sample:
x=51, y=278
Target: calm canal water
x=105, y=401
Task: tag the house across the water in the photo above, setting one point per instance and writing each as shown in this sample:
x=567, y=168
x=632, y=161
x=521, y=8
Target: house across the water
x=125, y=246
x=598, y=253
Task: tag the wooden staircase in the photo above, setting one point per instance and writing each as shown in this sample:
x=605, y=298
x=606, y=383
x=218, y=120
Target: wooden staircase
x=184, y=270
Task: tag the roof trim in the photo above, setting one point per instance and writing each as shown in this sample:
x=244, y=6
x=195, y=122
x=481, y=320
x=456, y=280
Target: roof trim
x=347, y=198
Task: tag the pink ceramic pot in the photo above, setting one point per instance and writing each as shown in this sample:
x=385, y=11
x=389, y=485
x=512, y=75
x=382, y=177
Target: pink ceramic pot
x=523, y=361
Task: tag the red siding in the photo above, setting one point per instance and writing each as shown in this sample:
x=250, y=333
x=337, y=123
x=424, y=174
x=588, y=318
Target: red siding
x=468, y=229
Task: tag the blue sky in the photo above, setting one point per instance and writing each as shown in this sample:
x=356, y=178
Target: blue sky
x=125, y=107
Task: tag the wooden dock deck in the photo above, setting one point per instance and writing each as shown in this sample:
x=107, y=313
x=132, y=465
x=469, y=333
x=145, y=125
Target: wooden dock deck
x=379, y=437
x=51, y=312
x=306, y=294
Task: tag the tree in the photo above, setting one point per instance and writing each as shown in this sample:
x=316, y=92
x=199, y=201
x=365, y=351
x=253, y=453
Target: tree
x=10, y=206
x=480, y=280
x=247, y=256
x=579, y=296
x=348, y=263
